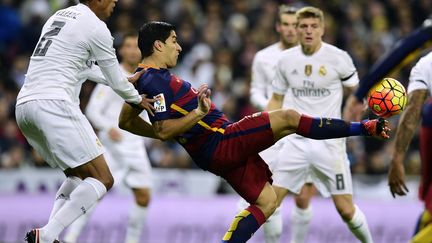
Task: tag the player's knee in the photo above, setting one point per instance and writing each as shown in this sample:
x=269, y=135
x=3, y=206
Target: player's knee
x=108, y=181
x=346, y=213
x=291, y=118
x=302, y=201
x=142, y=198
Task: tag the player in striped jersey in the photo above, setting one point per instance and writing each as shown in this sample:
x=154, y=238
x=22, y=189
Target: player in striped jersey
x=225, y=148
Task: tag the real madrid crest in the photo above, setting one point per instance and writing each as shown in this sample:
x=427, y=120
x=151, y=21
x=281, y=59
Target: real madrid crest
x=322, y=71
x=308, y=70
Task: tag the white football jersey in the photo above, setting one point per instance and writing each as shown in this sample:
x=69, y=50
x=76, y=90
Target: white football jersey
x=421, y=75
x=312, y=84
x=69, y=41
x=263, y=71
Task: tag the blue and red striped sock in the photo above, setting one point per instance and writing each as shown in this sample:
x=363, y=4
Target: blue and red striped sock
x=244, y=225
x=326, y=128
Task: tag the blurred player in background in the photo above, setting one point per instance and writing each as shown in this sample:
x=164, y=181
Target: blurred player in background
x=48, y=113
x=419, y=88
x=263, y=71
x=126, y=154
x=311, y=78
x=227, y=149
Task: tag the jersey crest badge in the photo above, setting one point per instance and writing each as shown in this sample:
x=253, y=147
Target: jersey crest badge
x=159, y=104
x=308, y=70
x=322, y=71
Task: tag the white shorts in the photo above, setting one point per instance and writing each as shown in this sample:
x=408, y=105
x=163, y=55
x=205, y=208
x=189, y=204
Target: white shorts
x=128, y=161
x=322, y=162
x=59, y=132
x=270, y=155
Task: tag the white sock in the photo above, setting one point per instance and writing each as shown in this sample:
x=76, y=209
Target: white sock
x=273, y=227
x=81, y=199
x=300, y=220
x=137, y=217
x=74, y=230
x=64, y=192
x=359, y=226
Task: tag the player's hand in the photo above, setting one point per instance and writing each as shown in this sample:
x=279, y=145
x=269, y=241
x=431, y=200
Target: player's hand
x=353, y=109
x=146, y=103
x=377, y=128
x=134, y=78
x=114, y=134
x=204, y=101
x=396, y=178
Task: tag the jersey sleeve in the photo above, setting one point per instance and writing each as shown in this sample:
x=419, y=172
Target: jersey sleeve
x=279, y=83
x=101, y=44
x=258, y=85
x=95, y=74
x=421, y=76
x=347, y=71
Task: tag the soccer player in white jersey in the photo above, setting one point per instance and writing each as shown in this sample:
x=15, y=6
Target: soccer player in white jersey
x=125, y=152
x=311, y=78
x=48, y=114
x=419, y=89
x=263, y=71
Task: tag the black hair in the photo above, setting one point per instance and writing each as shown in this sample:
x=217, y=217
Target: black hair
x=151, y=32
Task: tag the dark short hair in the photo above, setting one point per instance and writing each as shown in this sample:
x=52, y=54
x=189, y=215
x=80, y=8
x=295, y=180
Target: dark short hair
x=151, y=32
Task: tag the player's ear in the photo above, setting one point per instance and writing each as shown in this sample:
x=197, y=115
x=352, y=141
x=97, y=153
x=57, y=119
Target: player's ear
x=158, y=45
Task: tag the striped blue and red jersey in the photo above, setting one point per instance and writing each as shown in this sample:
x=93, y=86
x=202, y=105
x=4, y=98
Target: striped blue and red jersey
x=176, y=98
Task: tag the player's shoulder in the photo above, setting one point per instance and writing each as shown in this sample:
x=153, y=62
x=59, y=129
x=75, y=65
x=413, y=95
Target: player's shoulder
x=426, y=59
x=268, y=52
x=333, y=50
x=153, y=76
x=288, y=54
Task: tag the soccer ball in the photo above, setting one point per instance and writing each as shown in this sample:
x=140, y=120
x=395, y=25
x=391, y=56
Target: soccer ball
x=387, y=98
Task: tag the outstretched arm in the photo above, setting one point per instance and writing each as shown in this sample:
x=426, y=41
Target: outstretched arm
x=167, y=129
x=407, y=124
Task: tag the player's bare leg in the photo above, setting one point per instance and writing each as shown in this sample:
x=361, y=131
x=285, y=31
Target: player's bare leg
x=353, y=217
x=137, y=214
x=96, y=180
x=247, y=222
x=301, y=215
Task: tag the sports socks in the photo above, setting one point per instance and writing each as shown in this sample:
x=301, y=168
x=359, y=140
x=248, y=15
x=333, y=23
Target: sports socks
x=325, y=128
x=273, y=227
x=359, y=227
x=137, y=217
x=64, y=192
x=81, y=199
x=74, y=230
x=244, y=225
x=300, y=221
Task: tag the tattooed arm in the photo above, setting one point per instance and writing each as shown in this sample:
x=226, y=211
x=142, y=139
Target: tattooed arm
x=407, y=124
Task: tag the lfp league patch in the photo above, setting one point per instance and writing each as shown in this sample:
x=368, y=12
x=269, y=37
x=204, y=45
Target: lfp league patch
x=159, y=104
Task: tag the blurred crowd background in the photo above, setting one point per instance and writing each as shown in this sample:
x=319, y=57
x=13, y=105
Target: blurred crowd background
x=219, y=40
